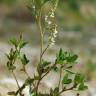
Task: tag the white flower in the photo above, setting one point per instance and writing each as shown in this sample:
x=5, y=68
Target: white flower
x=52, y=40
x=55, y=31
x=52, y=44
x=49, y=19
x=34, y=7
x=52, y=15
x=46, y=18
x=49, y=22
x=53, y=36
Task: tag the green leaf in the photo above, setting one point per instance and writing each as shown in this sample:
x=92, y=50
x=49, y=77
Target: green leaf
x=29, y=81
x=14, y=42
x=56, y=91
x=10, y=66
x=66, y=80
x=46, y=69
x=60, y=57
x=45, y=63
x=65, y=56
x=8, y=57
x=22, y=44
x=79, y=78
x=24, y=59
x=72, y=58
x=82, y=87
x=56, y=69
x=11, y=93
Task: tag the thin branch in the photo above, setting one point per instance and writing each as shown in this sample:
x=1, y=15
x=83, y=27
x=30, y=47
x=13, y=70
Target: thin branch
x=41, y=32
x=64, y=89
x=15, y=79
x=49, y=70
x=70, y=71
x=45, y=50
x=60, y=77
x=41, y=42
x=17, y=83
x=44, y=75
x=20, y=89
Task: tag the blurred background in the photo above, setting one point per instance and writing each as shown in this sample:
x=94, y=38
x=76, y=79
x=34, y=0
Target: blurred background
x=76, y=21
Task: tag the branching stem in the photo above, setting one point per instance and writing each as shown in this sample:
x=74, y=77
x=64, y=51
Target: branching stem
x=20, y=93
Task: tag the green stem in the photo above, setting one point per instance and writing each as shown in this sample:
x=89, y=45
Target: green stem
x=17, y=83
x=41, y=33
x=60, y=77
x=44, y=50
x=25, y=71
x=41, y=41
x=71, y=88
x=15, y=79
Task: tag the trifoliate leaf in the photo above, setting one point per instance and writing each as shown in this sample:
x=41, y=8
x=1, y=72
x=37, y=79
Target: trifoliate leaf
x=14, y=42
x=66, y=79
x=46, y=63
x=72, y=58
x=22, y=44
x=60, y=57
x=56, y=69
x=10, y=66
x=82, y=87
x=24, y=59
x=79, y=78
x=29, y=81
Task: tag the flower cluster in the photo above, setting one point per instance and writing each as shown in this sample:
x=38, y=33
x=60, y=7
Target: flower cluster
x=50, y=21
x=53, y=35
x=50, y=17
